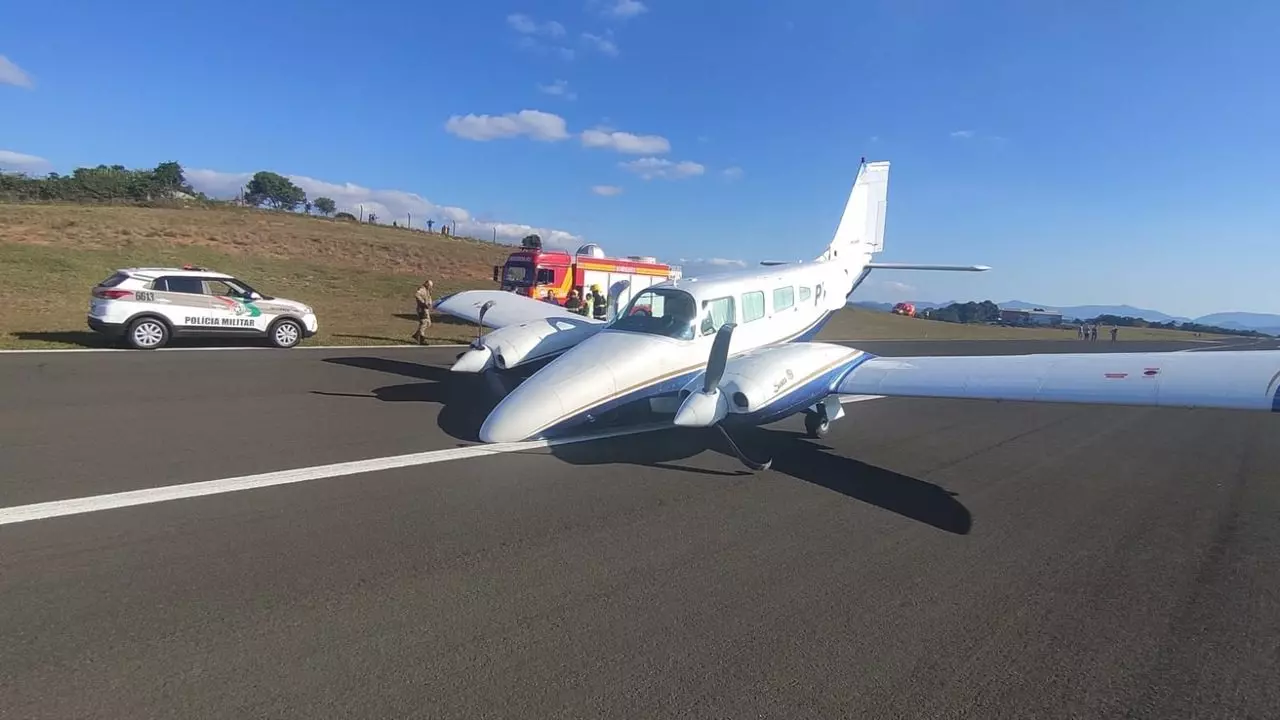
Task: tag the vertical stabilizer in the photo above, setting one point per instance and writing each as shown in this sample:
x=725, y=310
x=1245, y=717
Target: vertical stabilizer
x=861, y=228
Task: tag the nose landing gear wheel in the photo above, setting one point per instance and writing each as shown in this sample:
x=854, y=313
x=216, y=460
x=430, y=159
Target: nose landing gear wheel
x=816, y=426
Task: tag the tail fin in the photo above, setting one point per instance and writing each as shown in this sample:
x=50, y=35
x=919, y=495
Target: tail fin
x=861, y=228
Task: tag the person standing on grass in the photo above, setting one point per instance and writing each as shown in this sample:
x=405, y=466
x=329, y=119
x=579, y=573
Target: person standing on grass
x=423, y=299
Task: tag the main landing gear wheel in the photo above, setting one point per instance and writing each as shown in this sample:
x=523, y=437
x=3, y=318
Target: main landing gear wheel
x=816, y=426
x=147, y=334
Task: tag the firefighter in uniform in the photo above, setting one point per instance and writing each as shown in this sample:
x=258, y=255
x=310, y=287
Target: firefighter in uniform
x=423, y=298
x=598, y=303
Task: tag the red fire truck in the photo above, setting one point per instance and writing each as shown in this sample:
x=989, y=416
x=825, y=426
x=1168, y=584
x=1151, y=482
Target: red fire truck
x=551, y=274
x=904, y=308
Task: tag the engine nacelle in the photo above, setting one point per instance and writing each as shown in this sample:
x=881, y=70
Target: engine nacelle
x=779, y=378
x=516, y=345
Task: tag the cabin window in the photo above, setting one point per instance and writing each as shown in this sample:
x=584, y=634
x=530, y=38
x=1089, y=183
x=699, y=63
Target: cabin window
x=752, y=306
x=546, y=276
x=804, y=294
x=783, y=298
x=720, y=312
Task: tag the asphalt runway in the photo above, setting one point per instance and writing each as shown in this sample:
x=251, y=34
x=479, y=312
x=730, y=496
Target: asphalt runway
x=955, y=559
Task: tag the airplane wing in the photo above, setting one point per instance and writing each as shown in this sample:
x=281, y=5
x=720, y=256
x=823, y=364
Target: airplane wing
x=507, y=308
x=1237, y=380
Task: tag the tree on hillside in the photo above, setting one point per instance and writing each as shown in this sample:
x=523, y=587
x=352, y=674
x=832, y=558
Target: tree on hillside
x=345, y=216
x=274, y=189
x=169, y=179
x=969, y=312
x=325, y=205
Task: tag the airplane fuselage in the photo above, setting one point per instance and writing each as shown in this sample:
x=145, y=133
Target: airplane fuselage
x=658, y=345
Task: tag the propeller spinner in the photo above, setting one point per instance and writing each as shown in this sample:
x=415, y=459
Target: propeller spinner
x=708, y=406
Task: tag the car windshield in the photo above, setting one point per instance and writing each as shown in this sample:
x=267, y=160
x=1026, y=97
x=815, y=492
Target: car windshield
x=667, y=312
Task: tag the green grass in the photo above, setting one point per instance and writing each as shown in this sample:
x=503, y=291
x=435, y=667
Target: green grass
x=359, y=278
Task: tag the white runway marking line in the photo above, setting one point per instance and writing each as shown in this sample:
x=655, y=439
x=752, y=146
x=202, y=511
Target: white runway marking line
x=223, y=349
x=97, y=503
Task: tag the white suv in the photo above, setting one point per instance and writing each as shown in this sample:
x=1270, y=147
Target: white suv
x=148, y=306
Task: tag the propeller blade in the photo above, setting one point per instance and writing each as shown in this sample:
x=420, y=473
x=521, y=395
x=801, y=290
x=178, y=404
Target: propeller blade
x=719, y=358
x=480, y=322
x=742, y=457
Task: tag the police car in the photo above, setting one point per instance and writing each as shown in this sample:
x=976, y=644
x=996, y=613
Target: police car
x=149, y=306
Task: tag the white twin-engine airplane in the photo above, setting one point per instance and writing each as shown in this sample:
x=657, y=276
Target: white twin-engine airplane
x=734, y=349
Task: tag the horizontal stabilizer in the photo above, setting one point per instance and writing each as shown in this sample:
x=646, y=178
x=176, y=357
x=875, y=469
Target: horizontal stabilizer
x=916, y=266
x=1233, y=379
x=771, y=263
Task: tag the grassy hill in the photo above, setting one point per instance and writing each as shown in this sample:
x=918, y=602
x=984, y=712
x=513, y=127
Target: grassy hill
x=359, y=277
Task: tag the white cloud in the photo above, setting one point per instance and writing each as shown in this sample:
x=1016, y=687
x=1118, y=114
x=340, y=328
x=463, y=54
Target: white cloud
x=388, y=205
x=607, y=190
x=604, y=45
x=11, y=74
x=525, y=25
x=975, y=135
x=625, y=142
x=536, y=124
x=620, y=9
x=530, y=29
x=21, y=162
x=559, y=88
x=890, y=291
x=651, y=167
x=694, y=267
x=733, y=173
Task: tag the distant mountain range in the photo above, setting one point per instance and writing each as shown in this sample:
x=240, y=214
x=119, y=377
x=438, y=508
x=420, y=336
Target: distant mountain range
x=1262, y=322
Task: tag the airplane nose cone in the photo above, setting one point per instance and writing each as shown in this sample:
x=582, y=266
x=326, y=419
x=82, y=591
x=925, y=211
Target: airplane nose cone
x=585, y=379
x=473, y=361
x=522, y=413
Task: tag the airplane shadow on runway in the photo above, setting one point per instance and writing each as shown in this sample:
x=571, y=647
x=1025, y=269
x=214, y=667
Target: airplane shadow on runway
x=793, y=454
x=466, y=401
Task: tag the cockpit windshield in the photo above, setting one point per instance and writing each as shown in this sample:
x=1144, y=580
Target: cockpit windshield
x=667, y=312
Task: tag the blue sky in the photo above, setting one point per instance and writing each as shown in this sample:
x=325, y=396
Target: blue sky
x=1091, y=152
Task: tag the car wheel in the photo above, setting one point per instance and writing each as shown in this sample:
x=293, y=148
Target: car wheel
x=147, y=333
x=286, y=333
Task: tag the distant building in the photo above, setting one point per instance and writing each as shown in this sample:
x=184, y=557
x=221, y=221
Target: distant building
x=1037, y=316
